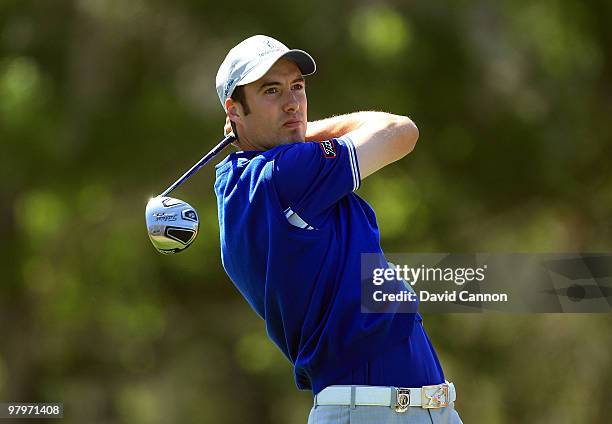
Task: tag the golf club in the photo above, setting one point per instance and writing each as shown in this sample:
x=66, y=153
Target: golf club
x=172, y=224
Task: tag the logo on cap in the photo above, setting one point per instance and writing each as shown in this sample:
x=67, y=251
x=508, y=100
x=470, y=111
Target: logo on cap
x=228, y=85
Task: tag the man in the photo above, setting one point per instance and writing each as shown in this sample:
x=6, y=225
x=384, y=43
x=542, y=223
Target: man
x=292, y=236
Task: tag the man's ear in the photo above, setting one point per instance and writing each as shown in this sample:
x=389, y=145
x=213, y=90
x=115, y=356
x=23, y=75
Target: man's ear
x=234, y=110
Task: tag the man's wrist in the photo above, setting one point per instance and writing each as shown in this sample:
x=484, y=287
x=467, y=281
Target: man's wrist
x=335, y=126
x=318, y=130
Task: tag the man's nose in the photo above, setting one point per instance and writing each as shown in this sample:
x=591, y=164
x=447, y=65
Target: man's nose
x=292, y=104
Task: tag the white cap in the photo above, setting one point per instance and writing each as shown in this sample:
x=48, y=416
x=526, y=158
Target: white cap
x=252, y=58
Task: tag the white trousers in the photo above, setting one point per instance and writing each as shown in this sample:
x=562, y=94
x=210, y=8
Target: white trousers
x=332, y=414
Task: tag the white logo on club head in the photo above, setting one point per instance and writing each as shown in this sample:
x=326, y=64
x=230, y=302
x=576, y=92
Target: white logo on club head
x=170, y=202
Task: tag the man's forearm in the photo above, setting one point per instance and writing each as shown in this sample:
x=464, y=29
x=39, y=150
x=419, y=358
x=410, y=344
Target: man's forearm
x=337, y=126
x=379, y=138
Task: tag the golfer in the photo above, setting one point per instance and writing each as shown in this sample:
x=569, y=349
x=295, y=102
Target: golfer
x=292, y=236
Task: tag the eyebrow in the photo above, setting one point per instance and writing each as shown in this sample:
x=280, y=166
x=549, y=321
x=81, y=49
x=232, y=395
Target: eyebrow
x=274, y=83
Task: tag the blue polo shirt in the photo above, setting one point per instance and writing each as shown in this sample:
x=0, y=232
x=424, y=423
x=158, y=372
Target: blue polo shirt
x=292, y=234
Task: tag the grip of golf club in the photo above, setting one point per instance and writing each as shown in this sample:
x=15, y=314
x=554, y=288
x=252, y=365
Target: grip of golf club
x=214, y=152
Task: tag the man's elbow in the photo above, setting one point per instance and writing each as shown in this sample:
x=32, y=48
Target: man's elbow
x=407, y=135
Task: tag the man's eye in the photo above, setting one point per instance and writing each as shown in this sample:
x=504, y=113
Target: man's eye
x=271, y=90
x=298, y=86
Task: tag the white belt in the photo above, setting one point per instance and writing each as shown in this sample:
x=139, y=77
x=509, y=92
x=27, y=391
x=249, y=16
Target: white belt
x=400, y=398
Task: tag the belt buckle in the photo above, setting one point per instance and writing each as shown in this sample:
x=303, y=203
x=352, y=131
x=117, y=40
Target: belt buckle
x=433, y=397
x=402, y=399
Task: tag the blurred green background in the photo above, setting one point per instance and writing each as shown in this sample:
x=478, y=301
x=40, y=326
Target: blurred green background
x=103, y=103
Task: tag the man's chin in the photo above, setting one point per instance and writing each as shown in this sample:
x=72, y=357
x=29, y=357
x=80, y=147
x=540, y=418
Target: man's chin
x=293, y=137
x=285, y=138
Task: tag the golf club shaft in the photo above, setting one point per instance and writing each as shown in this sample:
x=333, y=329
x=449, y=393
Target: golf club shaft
x=227, y=140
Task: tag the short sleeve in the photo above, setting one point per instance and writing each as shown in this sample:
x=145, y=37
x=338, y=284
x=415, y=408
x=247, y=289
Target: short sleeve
x=310, y=177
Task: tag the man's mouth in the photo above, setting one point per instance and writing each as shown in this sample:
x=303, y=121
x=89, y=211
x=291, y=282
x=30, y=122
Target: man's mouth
x=292, y=123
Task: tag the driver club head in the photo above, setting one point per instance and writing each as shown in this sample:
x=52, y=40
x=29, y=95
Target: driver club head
x=172, y=224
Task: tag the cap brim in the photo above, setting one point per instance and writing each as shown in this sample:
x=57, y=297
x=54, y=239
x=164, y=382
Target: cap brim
x=302, y=59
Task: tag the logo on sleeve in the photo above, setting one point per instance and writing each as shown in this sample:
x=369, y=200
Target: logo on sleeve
x=329, y=150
